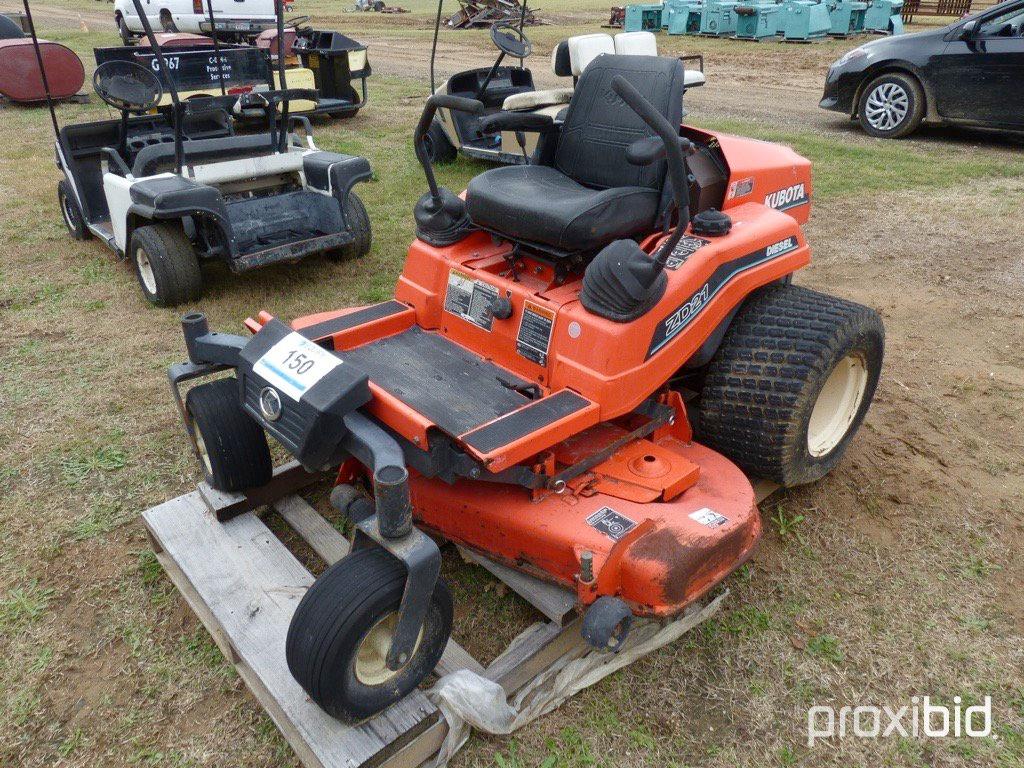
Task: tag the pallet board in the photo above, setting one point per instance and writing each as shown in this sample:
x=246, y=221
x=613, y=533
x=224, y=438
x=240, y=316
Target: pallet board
x=244, y=585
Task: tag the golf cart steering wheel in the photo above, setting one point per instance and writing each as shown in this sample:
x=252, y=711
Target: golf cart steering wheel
x=127, y=86
x=510, y=39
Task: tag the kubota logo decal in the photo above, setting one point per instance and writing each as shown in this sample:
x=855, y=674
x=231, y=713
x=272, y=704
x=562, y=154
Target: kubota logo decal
x=790, y=197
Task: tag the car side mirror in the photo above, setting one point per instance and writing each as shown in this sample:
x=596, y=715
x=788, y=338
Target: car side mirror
x=969, y=30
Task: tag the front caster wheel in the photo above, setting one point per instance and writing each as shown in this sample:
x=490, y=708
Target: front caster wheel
x=341, y=632
x=232, y=447
x=791, y=383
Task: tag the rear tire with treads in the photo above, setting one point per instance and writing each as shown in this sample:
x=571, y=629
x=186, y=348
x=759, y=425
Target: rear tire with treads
x=357, y=220
x=165, y=264
x=791, y=383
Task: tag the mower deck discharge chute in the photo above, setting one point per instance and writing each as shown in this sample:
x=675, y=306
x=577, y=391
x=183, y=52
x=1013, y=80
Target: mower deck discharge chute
x=168, y=190
x=557, y=337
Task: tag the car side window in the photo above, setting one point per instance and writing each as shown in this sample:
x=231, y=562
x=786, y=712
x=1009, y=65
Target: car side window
x=1009, y=24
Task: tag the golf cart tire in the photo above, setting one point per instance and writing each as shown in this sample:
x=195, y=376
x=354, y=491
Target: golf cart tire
x=760, y=401
x=358, y=220
x=235, y=445
x=439, y=148
x=172, y=260
x=73, y=218
x=915, y=111
x=167, y=21
x=332, y=621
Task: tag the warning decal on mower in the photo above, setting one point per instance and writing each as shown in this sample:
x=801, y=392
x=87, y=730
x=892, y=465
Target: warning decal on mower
x=294, y=364
x=685, y=248
x=611, y=523
x=670, y=327
x=534, y=335
x=708, y=517
x=470, y=299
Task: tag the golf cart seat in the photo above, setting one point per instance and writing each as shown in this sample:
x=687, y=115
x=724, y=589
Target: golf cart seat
x=646, y=44
x=159, y=157
x=562, y=65
x=591, y=194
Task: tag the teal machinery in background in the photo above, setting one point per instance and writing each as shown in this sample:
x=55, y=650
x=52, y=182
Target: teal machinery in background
x=804, y=20
x=847, y=17
x=643, y=17
x=718, y=18
x=885, y=16
x=757, y=21
x=682, y=17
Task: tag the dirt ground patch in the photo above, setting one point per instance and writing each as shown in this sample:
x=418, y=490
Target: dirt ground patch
x=897, y=576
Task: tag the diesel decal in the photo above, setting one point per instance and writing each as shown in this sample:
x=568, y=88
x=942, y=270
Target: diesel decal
x=790, y=197
x=670, y=327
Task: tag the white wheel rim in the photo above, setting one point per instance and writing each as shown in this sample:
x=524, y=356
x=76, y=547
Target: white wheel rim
x=837, y=404
x=371, y=657
x=204, y=453
x=145, y=270
x=887, y=106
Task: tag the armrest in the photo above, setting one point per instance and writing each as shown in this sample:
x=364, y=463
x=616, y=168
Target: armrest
x=517, y=121
x=698, y=57
x=647, y=151
x=115, y=161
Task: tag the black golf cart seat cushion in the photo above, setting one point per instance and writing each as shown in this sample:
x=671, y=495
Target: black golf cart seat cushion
x=592, y=195
x=541, y=205
x=160, y=157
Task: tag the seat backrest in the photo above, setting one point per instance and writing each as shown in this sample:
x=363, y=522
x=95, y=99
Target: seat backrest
x=636, y=44
x=561, y=63
x=583, y=49
x=599, y=125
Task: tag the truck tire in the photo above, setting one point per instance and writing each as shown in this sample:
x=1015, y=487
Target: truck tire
x=891, y=106
x=166, y=264
x=791, y=383
x=122, y=28
x=339, y=636
x=233, y=448
x=73, y=218
x=167, y=21
x=439, y=148
x=358, y=220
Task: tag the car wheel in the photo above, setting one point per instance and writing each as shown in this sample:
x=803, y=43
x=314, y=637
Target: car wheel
x=891, y=106
x=439, y=148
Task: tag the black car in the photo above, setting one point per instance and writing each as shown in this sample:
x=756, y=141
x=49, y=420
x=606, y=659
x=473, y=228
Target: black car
x=969, y=73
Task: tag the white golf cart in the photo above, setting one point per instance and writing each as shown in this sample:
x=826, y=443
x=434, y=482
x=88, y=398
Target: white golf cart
x=511, y=89
x=170, y=190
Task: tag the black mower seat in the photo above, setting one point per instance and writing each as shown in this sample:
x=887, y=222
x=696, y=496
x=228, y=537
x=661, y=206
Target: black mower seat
x=591, y=195
x=157, y=157
x=539, y=204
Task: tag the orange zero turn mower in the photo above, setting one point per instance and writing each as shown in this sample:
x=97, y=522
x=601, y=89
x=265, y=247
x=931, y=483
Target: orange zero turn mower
x=584, y=360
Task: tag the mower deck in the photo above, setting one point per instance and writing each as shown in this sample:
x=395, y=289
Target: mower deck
x=243, y=584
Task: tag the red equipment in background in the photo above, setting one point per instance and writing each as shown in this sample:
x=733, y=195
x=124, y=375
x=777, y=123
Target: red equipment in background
x=21, y=80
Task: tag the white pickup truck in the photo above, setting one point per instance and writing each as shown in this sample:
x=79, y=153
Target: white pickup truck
x=234, y=18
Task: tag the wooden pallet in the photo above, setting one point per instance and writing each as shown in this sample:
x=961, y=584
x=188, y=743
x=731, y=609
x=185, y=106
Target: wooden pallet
x=244, y=584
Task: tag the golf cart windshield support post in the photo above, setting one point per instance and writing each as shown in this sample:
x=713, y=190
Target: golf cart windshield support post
x=282, y=139
x=42, y=69
x=171, y=89
x=433, y=48
x=216, y=48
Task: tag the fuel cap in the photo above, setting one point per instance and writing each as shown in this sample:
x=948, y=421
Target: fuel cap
x=711, y=222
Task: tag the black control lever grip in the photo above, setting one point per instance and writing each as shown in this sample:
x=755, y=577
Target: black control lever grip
x=435, y=102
